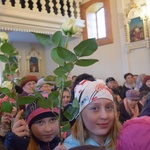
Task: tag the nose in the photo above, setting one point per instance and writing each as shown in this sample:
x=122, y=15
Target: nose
x=103, y=114
x=47, y=127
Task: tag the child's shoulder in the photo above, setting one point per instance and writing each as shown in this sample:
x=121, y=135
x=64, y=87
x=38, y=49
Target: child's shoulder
x=70, y=142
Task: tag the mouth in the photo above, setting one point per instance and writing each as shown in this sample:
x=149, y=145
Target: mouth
x=103, y=125
x=47, y=136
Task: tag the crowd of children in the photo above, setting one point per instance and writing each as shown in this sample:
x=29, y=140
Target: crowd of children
x=109, y=117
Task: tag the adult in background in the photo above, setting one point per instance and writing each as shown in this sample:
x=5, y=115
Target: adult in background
x=128, y=85
x=28, y=84
x=44, y=87
x=146, y=108
x=110, y=82
x=139, y=81
x=130, y=107
x=146, y=84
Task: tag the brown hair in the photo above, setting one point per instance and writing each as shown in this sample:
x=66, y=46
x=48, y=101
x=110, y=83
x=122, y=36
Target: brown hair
x=33, y=145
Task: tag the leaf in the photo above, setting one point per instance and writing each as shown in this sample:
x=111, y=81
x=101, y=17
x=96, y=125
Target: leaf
x=13, y=95
x=60, y=71
x=4, y=90
x=44, y=103
x=66, y=127
x=75, y=103
x=62, y=123
x=50, y=78
x=3, y=58
x=43, y=39
x=59, y=80
x=13, y=54
x=58, y=39
x=69, y=66
x=7, y=48
x=71, y=113
x=13, y=67
x=56, y=58
x=86, y=48
x=86, y=62
x=26, y=100
x=55, y=103
x=38, y=94
x=66, y=54
x=53, y=95
x=6, y=107
x=67, y=84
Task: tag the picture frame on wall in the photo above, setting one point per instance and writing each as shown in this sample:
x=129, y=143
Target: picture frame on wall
x=34, y=62
x=136, y=27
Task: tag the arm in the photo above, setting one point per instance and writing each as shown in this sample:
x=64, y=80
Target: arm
x=18, y=139
x=6, y=121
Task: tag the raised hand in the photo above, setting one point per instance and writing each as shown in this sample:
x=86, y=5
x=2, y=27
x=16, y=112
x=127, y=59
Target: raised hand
x=20, y=127
x=6, y=120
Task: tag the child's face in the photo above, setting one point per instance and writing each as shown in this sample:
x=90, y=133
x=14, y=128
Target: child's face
x=45, y=129
x=98, y=117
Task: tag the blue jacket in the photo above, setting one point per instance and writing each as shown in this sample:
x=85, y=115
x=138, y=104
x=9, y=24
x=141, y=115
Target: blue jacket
x=71, y=142
x=14, y=142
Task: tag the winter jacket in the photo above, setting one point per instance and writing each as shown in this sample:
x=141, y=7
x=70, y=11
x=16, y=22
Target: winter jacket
x=124, y=114
x=124, y=89
x=14, y=142
x=134, y=134
x=71, y=142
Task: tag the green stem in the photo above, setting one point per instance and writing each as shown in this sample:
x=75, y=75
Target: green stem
x=67, y=40
x=60, y=112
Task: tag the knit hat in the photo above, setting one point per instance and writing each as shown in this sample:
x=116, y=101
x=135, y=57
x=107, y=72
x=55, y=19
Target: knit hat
x=133, y=94
x=28, y=78
x=34, y=113
x=41, y=82
x=146, y=78
x=109, y=79
x=88, y=91
x=134, y=134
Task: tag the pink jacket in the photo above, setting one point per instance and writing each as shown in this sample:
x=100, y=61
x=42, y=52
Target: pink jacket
x=135, y=134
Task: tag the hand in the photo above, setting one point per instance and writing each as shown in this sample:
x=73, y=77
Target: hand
x=60, y=147
x=6, y=120
x=20, y=127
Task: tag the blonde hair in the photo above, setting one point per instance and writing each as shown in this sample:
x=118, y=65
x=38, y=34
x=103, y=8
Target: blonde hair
x=80, y=132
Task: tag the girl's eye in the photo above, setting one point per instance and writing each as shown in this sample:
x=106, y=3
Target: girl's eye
x=95, y=108
x=109, y=107
x=53, y=119
x=39, y=122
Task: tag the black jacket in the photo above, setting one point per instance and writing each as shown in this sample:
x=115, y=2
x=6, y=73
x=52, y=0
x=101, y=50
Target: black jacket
x=14, y=142
x=124, y=114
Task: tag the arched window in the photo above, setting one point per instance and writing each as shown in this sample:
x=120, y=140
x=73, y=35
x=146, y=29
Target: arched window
x=100, y=21
x=96, y=14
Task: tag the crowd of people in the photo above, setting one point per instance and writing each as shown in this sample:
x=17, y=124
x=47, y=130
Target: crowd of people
x=110, y=116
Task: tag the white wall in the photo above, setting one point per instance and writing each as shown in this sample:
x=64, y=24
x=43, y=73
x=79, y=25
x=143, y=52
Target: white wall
x=114, y=59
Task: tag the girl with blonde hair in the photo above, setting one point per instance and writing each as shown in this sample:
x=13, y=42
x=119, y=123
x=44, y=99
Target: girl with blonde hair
x=97, y=123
